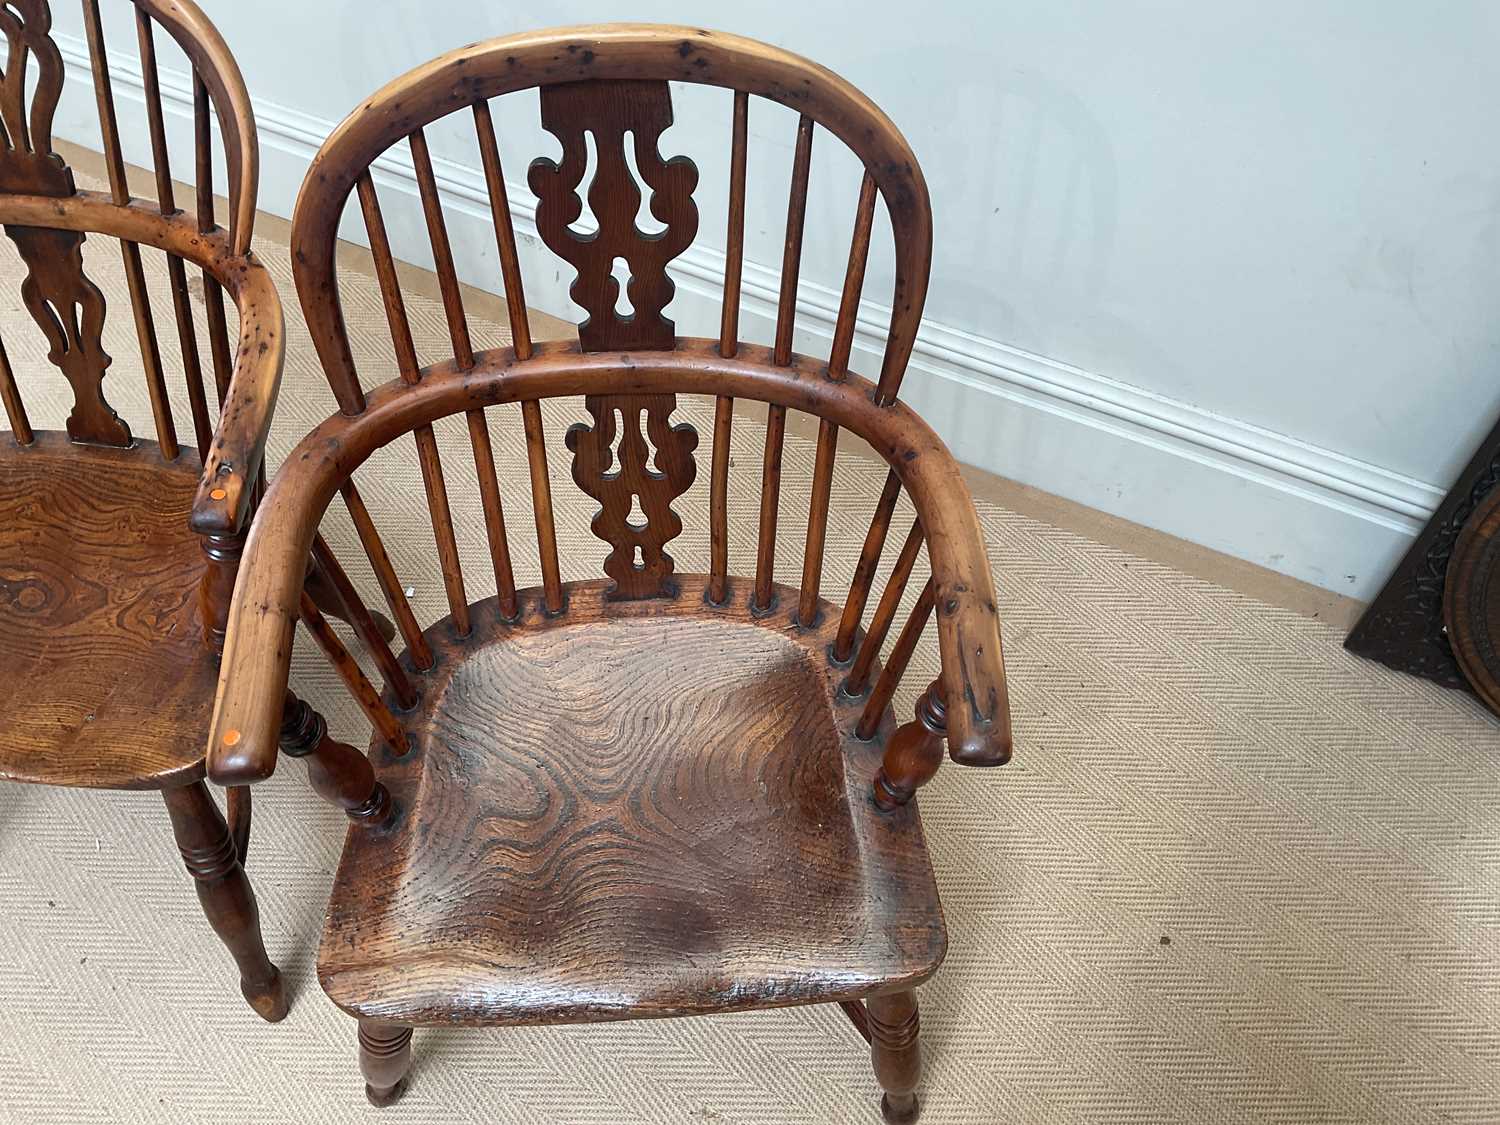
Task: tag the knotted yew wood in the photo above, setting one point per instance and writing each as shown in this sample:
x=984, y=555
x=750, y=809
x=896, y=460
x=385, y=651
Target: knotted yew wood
x=483, y=71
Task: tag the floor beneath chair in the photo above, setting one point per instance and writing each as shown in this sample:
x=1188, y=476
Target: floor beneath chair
x=1233, y=875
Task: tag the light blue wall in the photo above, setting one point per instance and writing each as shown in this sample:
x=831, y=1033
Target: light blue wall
x=1229, y=269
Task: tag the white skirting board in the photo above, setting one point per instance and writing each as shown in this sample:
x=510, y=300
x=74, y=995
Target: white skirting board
x=1284, y=504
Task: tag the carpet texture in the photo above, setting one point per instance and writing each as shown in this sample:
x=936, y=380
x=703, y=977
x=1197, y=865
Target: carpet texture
x=1232, y=875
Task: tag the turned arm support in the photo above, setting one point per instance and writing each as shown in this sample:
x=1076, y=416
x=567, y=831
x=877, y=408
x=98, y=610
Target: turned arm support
x=914, y=752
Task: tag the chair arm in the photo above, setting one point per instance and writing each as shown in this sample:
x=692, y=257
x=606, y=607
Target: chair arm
x=253, y=671
x=975, y=693
x=238, y=448
x=258, y=646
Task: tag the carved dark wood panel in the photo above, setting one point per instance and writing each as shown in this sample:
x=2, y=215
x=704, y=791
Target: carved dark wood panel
x=624, y=119
x=614, y=462
x=1403, y=627
x=1471, y=600
x=70, y=310
x=27, y=162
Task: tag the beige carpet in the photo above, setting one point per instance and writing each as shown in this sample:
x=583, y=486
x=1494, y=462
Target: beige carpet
x=1233, y=874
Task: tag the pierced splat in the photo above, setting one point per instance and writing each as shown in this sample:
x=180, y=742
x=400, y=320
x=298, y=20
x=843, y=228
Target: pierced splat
x=636, y=480
x=27, y=163
x=70, y=310
x=626, y=120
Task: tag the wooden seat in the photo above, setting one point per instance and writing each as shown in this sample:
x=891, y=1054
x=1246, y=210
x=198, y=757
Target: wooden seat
x=661, y=793
x=103, y=680
x=679, y=805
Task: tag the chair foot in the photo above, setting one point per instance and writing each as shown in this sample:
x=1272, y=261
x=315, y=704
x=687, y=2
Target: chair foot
x=213, y=860
x=895, y=1050
x=267, y=998
x=384, y=1060
x=382, y=1098
x=901, y=1112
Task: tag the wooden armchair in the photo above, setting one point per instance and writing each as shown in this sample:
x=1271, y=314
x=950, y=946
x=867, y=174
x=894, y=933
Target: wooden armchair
x=118, y=554
x=656, y=793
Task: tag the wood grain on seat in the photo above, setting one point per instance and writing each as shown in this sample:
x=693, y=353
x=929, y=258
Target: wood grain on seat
x=628, y=810
x=104, y=678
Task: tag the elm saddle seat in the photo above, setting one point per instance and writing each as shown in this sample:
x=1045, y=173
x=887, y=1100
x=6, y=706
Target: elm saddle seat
x=100, y=638
x=628, y=806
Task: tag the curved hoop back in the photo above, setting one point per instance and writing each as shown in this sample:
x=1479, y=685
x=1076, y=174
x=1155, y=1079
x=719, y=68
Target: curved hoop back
x=605, y=95
x=615, y=76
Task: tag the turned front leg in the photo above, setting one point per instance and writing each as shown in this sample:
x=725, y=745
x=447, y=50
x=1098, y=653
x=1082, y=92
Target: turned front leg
x=914, y=752
x=384, y=1060
x=339, y=773
x=896, y=1052
x=213, y=860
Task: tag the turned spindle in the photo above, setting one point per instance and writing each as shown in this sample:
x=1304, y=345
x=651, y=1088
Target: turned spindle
x=915, y=751
x=339, y=773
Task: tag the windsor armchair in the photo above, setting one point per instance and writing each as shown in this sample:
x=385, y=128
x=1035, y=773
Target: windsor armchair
x=118, y=554
x=654, y=793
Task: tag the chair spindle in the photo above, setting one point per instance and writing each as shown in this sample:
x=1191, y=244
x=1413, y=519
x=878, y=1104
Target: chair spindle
x=494, y=514
x=817, y=522
x=895, y=667
x=718, y=502
x=791, y=257
x=729, y=330
x=135, y=278
x=213, y=292
x=182, y=308
x=109, y=127
x=828, y=433
x=354, y=678
x=505, y=231
x=442, y=527
x=364, y=624
x=770, y=500
x=885, y=611
x=864, y=572
x=156, y=122
x=786, y=314
x=390, y=285
x=541, y=503
x=442, y=251
x=385, y=574
x=15, y=409
x=734, y=243
x=854, y=281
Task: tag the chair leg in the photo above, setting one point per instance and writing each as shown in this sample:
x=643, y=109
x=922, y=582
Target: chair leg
x=212, y=859
x=384, y=1059
x=896, y=1052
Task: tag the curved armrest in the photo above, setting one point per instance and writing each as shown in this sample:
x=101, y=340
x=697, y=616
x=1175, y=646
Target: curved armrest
x=235, y=455
x=239, y=443
x=258, y=645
